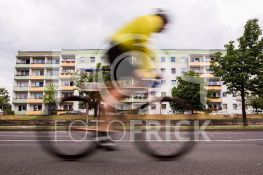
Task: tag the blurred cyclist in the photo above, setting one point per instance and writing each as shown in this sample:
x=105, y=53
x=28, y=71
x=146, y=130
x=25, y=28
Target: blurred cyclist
x=134, y=37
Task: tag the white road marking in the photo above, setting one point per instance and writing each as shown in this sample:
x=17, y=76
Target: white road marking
x=237, y=140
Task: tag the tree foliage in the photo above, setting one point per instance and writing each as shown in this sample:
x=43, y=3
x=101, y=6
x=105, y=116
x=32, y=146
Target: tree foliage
x=5, y=102
x=50, y=94
x=241, y=67
x=94, y=99
x=190, y=91
x=256, y=102
x=50, y=98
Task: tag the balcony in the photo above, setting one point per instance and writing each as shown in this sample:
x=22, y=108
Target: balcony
x=207, y=76
x=36, y=88
x=67, y=88
x=22, y=77
x=37, y=77
x=66, y=95
x=34, y=100
x=34, y=112
x=135, y=100
x=66, y=75
x=214, y=87
x=38, y=65
x=22, y=65
x=199, y=64
x=20, y=88
x=51, y=65
x=19, y=100
x=215, y=100
x=51, y=77
x=68, y=63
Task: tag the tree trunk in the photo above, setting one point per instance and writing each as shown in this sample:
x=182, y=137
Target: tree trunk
x=96, y=111
x=87, y=109
x=243, y=99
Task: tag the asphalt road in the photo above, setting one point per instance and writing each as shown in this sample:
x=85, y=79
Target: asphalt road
x=228, y=153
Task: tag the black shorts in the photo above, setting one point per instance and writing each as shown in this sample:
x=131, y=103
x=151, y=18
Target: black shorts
x=120, y=62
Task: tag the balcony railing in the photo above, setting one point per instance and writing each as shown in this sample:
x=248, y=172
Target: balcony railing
x=22, y=75
x=20, y=88
x=22, y=63
x=68, y=61
x=41, y=62
x=19, y=100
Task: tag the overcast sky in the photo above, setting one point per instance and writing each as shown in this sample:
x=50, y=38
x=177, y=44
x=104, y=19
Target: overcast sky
x=85, y=24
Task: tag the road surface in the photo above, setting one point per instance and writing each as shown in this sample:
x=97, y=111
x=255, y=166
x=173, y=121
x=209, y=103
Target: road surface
x=237, y=152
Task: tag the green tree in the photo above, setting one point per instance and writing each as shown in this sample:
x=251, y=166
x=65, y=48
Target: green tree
x=191, y=91
x=93, y=97
x=256, y=102
x=50, y=98
x=240, y=67
x=5, y=102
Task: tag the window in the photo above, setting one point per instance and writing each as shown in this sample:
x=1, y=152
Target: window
x=38, y=72
x=173, y=70
x=92, y=59
x=153, y=93
x=82, y=59
x=66, y=94
x=68, y=83
x=163, y=94
x=153, y=106
x=173, y=82
x=22, y=83
x=21, y=107
x=162, y=59
x=37, y=95
x=67, y=107
x=23, y=73
x=215, y=95
x=172, y=59
x=103, y=60
x=214, y=83
x=52, y=73
x=234, y=94
x=38, y=84
x=163, y=82
x=224, y=106
x=195, y=59
x=183, y=60
x=183, y=70
x=234, y=106
x=163, y=70
x=39, y=61
x=53, y=61
x=37, y=107
x=224, y=94
x=208, y=70
x=163, y=106
x=21, y=95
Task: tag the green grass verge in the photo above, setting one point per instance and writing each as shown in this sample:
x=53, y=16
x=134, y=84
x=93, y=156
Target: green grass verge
x=52, y=128
x=135, y=117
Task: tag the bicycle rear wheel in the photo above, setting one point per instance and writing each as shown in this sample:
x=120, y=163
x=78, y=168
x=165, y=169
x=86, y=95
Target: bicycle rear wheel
x=162, y=137
x=63, y=139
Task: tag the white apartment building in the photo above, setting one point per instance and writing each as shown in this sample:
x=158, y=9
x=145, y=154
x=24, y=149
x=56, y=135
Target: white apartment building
x=36, y=69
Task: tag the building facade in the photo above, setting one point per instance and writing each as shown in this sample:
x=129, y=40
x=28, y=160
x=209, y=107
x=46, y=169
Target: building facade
x=35, y=70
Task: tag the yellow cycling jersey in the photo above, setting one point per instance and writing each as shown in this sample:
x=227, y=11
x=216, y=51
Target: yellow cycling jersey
x=136, y=34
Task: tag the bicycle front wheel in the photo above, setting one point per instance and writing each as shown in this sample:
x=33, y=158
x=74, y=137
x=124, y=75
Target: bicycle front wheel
x=163, y=136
